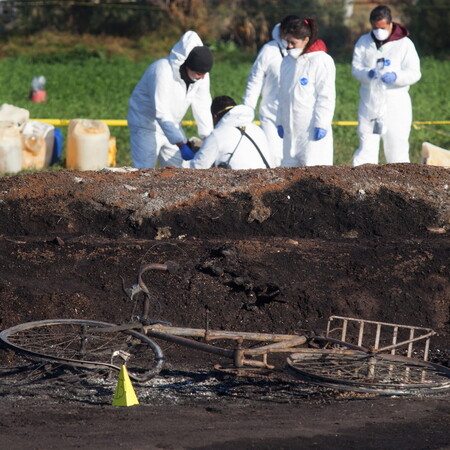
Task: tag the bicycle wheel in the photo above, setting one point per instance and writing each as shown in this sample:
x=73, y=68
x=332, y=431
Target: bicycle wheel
x=353, y=370
x=82, y=343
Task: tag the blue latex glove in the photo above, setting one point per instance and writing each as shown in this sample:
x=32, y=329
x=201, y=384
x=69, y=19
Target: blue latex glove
x=280, y=131
x=319, y=133
x=57, y=147
x=371, y=73
x=186, y=153
x=389, y=77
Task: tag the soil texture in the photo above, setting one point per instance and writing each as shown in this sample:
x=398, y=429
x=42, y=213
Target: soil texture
x=276, y=250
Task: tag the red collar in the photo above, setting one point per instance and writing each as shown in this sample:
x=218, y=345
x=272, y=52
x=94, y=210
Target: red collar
x=318, y=46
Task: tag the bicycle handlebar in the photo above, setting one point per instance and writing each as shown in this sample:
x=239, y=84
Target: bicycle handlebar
x=169, y=266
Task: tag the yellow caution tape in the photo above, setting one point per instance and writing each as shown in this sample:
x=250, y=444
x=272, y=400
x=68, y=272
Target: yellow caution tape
x=191, y=123
x=422, y=127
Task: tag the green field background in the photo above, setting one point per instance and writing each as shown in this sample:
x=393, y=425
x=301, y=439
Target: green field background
x=83, y=85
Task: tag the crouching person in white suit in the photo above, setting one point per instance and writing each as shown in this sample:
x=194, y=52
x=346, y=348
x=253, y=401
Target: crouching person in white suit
x=236, y=142
x=161, y=99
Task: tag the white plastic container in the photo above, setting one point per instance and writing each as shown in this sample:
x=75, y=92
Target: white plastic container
x=10, y=148
x=87, y=144
x=14, y=114
x=47, y=131
x=434, y=155
x=34, y=152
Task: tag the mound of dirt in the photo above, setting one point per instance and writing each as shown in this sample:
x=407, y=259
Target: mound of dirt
x=267, y=250
x=327, y=202
x=270, y=250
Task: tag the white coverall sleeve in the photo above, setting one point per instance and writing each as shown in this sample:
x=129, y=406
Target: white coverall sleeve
x=255, y=80
x=162, y=88
x=206, y=157
x=326, y=94
x=410, y=67
x=359, y=67
x=201, y=108
x=283, y=93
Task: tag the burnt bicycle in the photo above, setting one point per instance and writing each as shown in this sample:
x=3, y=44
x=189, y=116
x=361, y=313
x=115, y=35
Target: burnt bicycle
x=338, y=358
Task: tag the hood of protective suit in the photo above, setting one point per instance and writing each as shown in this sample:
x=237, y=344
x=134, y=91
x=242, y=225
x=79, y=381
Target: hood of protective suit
x=398, y=32
x=239, y=116
x=181, y=50
x=318, y=46
x=276, y=36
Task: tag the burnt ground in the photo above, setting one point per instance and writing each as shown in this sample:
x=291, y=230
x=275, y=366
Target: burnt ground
x=271, y=251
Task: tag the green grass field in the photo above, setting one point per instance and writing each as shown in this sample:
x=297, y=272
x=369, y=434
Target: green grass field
x=81, y=84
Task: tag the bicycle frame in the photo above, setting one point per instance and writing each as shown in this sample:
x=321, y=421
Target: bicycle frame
x=185, y=336
x=277, y=343
x=339, y=359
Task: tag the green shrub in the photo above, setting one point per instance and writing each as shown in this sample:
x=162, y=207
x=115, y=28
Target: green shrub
x=83, y=84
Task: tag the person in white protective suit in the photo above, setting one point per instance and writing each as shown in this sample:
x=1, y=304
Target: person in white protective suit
x=307, y=96
x=386, y=63
x=236, y=142
x=263, y=81
x=161, y=99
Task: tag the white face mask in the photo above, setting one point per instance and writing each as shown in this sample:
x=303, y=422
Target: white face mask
x=194, y=80
x=381, y=34
x=295, y=52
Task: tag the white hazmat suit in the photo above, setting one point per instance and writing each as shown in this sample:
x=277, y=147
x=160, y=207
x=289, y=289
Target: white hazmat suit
x=400, y=57
x=264, y=80
x=226, y=144
x=307, y=101
x=158, y=104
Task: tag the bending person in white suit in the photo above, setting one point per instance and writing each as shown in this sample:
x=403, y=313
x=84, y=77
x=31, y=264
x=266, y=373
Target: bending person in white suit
x=161, y=99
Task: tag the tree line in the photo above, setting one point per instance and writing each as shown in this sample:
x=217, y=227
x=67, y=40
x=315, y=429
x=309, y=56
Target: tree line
x=247, y=24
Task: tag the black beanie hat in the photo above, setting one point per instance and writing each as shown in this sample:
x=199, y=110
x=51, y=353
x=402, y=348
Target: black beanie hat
x=200, y=59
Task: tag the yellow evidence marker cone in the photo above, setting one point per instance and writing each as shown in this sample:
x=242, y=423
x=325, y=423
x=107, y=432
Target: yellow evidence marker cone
x=124, y=395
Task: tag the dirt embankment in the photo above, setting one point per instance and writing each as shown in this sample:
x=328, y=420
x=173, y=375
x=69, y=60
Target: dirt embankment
x=387, y=201
x=273, y=250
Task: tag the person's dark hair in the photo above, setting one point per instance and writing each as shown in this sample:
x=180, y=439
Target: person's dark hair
x=286, y=23
x=221, y=105
x=381, y=13
x=300, y=29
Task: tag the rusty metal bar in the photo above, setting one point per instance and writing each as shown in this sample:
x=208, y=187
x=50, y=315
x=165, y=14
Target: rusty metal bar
x=426, y=350
x=410, y=345
x=238, y=357
x=395, y=336
x=279, y=346
x=220, y=334
x=377, y=336
x=409, y=341
x=344, y=330
x=376, y=322
x=394, y=339
x=361, y=333
x=190, y=343
x=256, y=363
x=328, y=327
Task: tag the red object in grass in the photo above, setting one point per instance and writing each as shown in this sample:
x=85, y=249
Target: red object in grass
x=39, y=96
